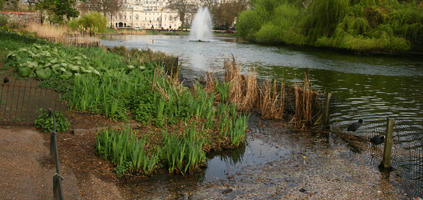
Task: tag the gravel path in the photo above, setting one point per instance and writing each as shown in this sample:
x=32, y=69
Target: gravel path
x=26, y=170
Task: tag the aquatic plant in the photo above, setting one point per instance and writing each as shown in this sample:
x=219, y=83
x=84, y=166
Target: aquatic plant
x=126, y=151
x=183, y=154
x=272, y=102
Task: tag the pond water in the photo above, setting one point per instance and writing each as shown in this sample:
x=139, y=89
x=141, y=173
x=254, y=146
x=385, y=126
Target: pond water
x=371, y=88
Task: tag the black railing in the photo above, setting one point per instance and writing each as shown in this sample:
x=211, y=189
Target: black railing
x=57, y=178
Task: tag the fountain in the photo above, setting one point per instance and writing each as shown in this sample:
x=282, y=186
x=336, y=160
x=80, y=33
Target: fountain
x=201, y=26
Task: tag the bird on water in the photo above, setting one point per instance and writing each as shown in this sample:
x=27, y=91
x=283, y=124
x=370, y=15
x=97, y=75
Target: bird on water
x=378, y=139
x=354, y=126
x=5, y=80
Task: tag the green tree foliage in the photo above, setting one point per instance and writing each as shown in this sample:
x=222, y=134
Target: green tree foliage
x=92, y=22
x=58, y=10
x=360, y=25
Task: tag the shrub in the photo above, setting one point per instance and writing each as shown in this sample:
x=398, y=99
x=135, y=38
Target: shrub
x=44, y=121
x=92, y=22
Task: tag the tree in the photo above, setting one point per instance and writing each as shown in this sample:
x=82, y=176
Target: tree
x=107, y=7
x=224, y=13
x=184, y=8
x=58, y=10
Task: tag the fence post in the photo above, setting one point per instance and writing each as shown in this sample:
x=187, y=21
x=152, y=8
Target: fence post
x=387, y=151
x=327, y=110
x=57, y=179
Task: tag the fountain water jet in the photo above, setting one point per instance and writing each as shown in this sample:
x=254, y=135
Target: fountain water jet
x=201, y=26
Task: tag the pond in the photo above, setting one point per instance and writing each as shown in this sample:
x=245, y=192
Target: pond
x=371, y=88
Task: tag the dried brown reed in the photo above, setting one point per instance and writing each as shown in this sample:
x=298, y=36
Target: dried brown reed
x=243, y=88
x=270, y=98
x=305, y=102
x=271, y=104
x=62, y=34
x=210, y=83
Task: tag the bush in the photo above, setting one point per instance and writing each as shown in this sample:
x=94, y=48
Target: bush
x=44, y=121
x=92, y=22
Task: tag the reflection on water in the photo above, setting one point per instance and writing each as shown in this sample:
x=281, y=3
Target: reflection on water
x=210, y=55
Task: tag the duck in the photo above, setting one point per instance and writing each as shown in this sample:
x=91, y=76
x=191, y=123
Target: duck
x=5, y=80
x=354, y=126
x=378, y=139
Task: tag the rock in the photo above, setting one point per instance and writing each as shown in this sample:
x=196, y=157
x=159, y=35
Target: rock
x=226, y=191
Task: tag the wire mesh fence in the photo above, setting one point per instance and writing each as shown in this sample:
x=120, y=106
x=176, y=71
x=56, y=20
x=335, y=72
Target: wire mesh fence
x=408, y=137
x=21, y=99
x=407, y=149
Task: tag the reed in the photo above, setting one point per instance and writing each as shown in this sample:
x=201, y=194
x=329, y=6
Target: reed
x=272, y=103
x=243, y=90
x=305, y=104
x=269, y=98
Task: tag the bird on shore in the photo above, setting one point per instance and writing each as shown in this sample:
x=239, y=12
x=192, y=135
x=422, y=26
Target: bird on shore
x=378, y=139
x=354, y=126
x=5, y=80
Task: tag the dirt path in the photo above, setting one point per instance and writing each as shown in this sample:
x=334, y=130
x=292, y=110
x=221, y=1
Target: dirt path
x=26, y=170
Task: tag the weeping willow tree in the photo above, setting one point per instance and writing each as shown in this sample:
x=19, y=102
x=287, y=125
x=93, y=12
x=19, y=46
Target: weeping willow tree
x=360, y=25
x=323, y=17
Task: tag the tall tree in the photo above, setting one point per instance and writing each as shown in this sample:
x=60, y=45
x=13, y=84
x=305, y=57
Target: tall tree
x=184, y=8
x=58, y=10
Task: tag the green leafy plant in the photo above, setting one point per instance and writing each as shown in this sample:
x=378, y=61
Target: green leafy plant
x=44, y=121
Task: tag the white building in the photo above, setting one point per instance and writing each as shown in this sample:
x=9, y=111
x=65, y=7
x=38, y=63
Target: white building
x=146, y=14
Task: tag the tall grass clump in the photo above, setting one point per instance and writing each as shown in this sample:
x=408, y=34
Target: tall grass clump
x=126, y=151
x=271, y=101
x=242, y=88
x=183, y=153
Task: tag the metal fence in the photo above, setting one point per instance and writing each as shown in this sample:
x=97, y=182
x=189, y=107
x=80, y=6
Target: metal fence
x=57, y=178
x=407, y=151
x=21, y=99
